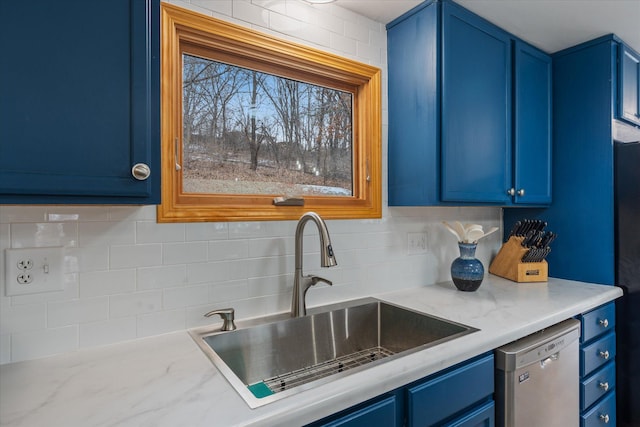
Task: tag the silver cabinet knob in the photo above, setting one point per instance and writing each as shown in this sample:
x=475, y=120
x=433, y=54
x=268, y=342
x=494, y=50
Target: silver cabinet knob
x=140, y=171
x=603, y=322
x=604, y=418
x=520, y=192
x=604, y=354
x=511, y=192
x=604, y=386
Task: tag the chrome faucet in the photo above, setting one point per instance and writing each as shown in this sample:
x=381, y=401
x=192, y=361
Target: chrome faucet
x=302, y=283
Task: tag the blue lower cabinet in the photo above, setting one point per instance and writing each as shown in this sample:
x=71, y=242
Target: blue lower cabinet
x=604, y=413
x=596, y=354
x=597, y=385
x=382, y=413
x=442, y=397
x=598, y=367
x=460, y=396
x=484, y=416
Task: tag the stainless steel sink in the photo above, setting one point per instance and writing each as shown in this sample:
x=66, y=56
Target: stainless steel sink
x=269, y=361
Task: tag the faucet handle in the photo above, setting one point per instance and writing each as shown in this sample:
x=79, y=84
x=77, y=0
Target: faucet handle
x=227, y=315
x=316, y=279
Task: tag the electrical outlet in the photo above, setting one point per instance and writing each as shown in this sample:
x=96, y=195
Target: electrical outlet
x=33, y=270
x=417, y=243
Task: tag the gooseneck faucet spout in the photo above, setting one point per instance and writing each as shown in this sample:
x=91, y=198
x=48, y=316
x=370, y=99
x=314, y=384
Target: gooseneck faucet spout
x=302, y=283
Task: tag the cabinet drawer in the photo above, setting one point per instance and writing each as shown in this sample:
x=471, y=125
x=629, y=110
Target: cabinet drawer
x=483, y=416
x=445, y=395
x=594, y=387
x=598, y=321
x=382, y=413
x=603, y=414
x=597, y=353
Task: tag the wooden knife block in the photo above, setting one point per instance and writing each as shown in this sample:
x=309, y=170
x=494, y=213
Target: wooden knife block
x=508, y=263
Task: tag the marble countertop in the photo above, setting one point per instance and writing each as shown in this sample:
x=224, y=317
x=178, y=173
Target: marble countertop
x=168, y=381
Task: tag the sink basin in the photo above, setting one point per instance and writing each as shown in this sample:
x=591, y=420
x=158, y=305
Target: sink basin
x=266, y=362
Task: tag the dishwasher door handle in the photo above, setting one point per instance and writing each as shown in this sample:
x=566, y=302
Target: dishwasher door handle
x=553, y=357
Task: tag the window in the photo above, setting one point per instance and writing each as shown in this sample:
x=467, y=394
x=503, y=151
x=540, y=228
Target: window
x=248, y=119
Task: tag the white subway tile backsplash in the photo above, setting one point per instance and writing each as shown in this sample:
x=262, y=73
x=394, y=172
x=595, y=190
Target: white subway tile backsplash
x=69, y=292
x=228, y=291
x=357, y=32
x=77, y=311
x=5, y=348
x=166, y=276
x=224, y=7
x=161, y=322
x=20, y=318
x=46, y=342
x=98, y=283
x=228, y=249
x=211, y=272
x=106, y=233
x=252, y=14
x=270, y=247
x=132, y=213
x=196, y=231
x=88, y=258
x=126, y=276
x=184, y=253
x=107, y=332
x=271, y=285
x=185, y=296
x=130, y=256
x=152, y=232
x=75, y=213
x=14, y=214
x=343, y=44
x=126, y=305
x=44, y=234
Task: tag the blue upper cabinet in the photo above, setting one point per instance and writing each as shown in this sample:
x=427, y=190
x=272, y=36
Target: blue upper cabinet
x=414, y=109
x=469, y=112
x=628, y=85
x=80, y=102
x=476, y=105
x=532, y=125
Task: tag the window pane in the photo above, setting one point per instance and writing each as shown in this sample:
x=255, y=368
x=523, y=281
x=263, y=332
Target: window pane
x=249, y=132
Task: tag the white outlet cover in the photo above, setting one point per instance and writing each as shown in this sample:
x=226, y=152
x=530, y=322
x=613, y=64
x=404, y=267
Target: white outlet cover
x=45, y=272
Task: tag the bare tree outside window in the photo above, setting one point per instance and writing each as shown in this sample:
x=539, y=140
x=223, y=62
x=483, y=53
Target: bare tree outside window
x=250, y=132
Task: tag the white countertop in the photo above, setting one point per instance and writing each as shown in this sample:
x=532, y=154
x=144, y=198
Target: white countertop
x=168, y=381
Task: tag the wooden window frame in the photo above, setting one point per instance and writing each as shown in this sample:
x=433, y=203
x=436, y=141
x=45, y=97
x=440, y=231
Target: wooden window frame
x=181, y=27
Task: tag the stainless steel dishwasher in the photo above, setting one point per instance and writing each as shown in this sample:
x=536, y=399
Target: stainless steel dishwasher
x=537, y=379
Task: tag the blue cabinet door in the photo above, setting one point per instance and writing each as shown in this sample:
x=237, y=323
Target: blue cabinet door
x=414, y=109
x=532, y=121
x=381, y=413
x=476, y=108
x=629, y=85
x=80, y=101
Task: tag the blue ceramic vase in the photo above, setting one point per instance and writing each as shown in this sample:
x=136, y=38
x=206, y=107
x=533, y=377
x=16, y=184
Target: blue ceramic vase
x=467, y=271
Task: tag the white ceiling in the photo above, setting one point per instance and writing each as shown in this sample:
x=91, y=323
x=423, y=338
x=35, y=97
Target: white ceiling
x=551, y=25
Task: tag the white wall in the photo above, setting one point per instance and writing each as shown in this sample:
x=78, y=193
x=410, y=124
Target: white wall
x=127, y=277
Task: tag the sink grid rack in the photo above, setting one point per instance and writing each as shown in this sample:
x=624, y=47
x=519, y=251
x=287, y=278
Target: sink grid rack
x=305, y=375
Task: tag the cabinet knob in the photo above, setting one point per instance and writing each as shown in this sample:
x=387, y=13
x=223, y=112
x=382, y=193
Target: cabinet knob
x=603, y=322
x=604, y=386
x=520, y=192
x=604, y=418
x=511, y=191
x=604, y=354
x=140, y=171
